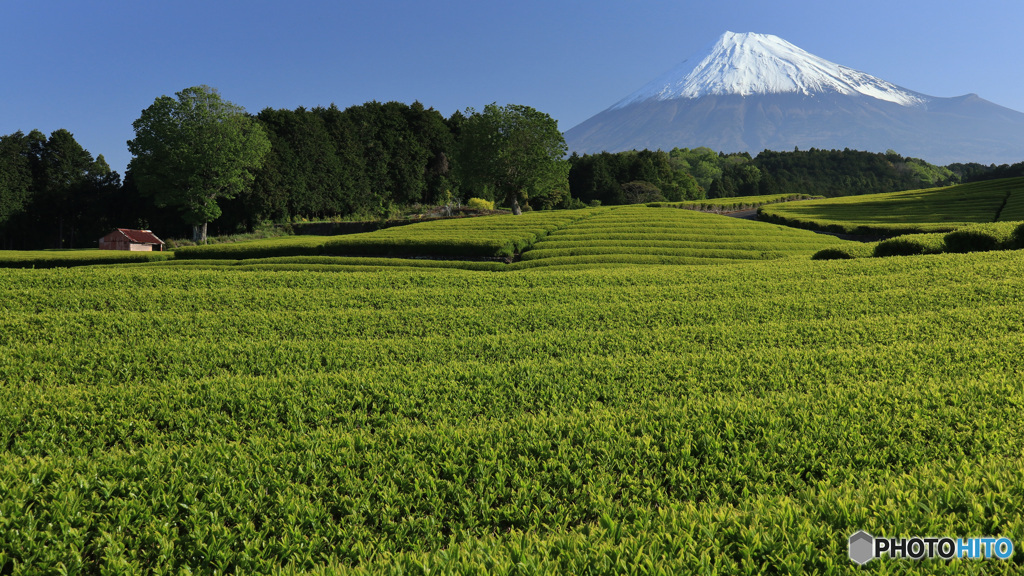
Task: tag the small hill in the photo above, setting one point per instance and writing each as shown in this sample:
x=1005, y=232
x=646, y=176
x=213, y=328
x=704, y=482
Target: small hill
x=929, y=210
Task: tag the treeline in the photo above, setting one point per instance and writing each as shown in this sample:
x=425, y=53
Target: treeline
x=53, y=193
x=371, y=160
x=691, y=174
x=366, y=162
x=974, y=172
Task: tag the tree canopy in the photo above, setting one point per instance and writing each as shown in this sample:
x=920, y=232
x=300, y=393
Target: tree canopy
x=191, y=151
x=516, y=152
x=53, y=194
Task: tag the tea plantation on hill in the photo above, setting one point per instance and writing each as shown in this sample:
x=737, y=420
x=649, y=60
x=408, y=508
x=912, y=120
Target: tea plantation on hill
x=893, y=213
x=304, y=412
x=605, y=237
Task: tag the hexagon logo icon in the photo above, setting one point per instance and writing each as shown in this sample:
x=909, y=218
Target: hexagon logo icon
x=862, y=547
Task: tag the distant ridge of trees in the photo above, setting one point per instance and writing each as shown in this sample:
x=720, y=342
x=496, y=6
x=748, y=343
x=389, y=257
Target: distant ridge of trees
x=369, y=160
x=687, y=174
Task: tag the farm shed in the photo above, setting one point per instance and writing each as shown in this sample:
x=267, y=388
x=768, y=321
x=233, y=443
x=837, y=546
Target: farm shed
x=134, y=240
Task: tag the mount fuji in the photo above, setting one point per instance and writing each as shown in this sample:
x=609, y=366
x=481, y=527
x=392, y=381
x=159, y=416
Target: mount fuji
x=751, y=92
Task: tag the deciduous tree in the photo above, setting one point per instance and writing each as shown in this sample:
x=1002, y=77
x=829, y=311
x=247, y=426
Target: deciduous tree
x=514, y=150
x=194, y=149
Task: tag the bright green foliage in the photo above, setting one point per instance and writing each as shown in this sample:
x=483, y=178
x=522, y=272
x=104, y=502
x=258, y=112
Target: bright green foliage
x=66, y=258
x=479, y=204
x=650, y=420
x=930, y=210
x=642, y=235
x=483, y=236
x=912, y=244
x=335, y=263
x=846, y=251
x=610, y=235
x=973, y=238
x=515, y=151
x=633, y=235
x=1013, y=210
x=194, y=150
x=982, y=237
x=735, y=203
x=264, y=248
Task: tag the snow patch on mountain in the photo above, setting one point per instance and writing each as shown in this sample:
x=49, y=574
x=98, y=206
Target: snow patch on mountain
x=747, y=64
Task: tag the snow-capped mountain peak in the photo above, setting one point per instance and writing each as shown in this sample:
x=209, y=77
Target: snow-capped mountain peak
x=747, y=64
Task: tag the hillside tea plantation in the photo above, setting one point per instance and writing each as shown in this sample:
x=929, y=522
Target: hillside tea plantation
x=729, y=419
x=642, y=235
x=603, y=237
x=912, y=211
x=733, y=204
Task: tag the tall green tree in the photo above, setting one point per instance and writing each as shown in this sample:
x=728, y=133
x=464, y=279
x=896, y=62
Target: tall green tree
x=192, y=150
x=67, y=170
x=15, y=181
x=514, y=150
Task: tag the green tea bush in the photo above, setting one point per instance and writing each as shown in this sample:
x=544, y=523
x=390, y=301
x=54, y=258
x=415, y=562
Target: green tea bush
x=644, y=235
x=911, y=244
x=734, y=203
x=896, y=213
x=482, y=237
x=266, y=248
x=601, y=419
x=846, y=251
x=69, y=258
x=982, y=237
x=339, y=262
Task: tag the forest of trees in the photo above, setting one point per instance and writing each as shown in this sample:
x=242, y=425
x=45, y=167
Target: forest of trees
x=53, y=193
x=370, y=160
x=688, y=174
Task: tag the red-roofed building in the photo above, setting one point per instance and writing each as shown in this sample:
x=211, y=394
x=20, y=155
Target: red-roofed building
x=134, y=240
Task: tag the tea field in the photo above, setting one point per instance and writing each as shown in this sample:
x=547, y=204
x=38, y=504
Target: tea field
x=642, y=235
x=602, y=237
x=733, y=204
x=912, y=211
x=740, y=418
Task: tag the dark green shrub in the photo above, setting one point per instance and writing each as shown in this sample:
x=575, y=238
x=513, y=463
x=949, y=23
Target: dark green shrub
x=982, y=237
x=1017, y=237
x=910, y=245
x=847, y=252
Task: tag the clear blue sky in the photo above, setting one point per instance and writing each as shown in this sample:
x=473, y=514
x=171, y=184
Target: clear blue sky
x=92, y=67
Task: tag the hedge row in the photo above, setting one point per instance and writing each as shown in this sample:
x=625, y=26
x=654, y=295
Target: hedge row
x=268, y=248
x=974, y=238
x=731, y=204
x=67, y=258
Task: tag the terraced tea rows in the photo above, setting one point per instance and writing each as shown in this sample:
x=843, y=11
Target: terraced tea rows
x=931, y=210
x=733, y=204
x=67, y=258
x=486, y=236
x=604, y=236
x=658, y=420
x=642, y=235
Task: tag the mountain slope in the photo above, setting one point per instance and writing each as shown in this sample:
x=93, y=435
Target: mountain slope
x=750, y=92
